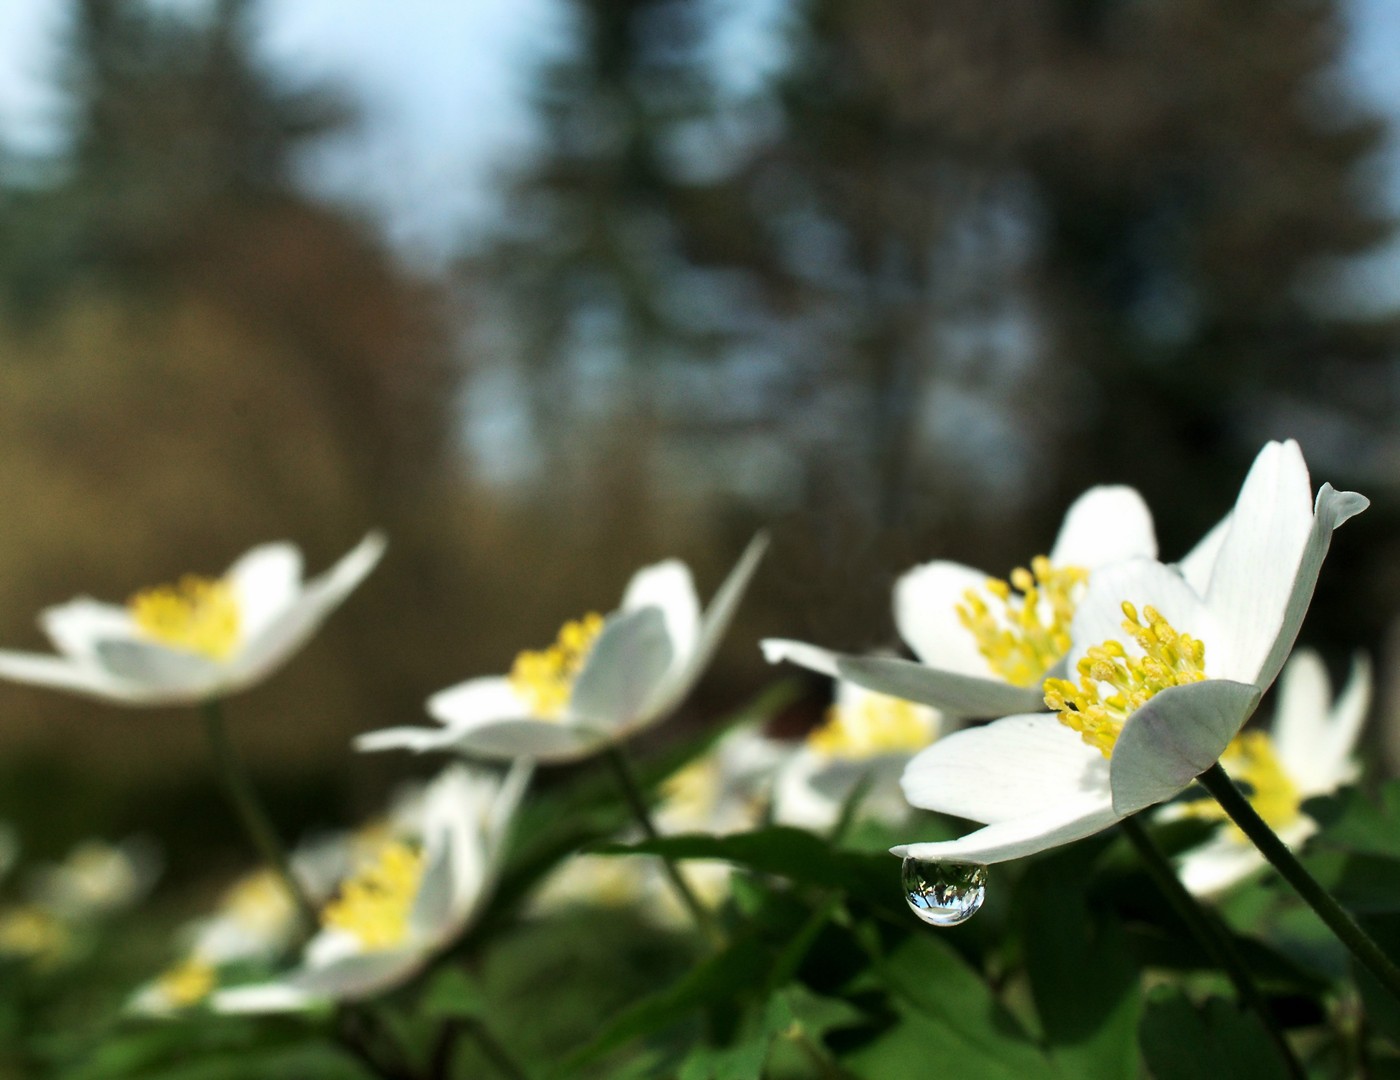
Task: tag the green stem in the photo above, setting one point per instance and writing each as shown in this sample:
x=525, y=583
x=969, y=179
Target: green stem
x=251, y=814
x=1213, y=937
x=633, y=796
x=1367, y=952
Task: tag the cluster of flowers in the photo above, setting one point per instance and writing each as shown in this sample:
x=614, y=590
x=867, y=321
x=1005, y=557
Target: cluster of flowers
x=1117, y=679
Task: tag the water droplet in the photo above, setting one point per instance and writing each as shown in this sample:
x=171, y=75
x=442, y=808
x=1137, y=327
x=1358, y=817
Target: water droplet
x=944, y=894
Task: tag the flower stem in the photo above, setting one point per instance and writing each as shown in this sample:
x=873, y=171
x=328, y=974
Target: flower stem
x=1366, y=951
x=1214, y=938
x=250, y=812
x=622, y=771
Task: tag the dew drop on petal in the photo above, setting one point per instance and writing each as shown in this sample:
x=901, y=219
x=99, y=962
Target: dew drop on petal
x=944, y=893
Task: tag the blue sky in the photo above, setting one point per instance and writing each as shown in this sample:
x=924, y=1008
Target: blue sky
x=442, y=85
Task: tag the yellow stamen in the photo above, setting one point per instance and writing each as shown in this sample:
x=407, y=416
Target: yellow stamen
x=187, y=983
x=199, y=615
x=545, y=678
x=691, y=793
x=374, y=905
x=1023, y=636
x=1169, y=659
x=1250, y=758
x=878, y=725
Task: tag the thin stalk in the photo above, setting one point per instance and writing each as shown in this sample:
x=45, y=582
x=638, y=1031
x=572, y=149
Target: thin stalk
x=1367, y=952
x=251, y=814
x=633, y=796
x=1214, y=938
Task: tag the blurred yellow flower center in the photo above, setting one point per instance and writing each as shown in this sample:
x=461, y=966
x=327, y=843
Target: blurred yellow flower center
x=689, y=795
x=374, y=905
x=30, y=932
x=878, y=725
x=187, y=983
x=260, y=902
x=1022, y=625
x=199, y=615
x=1169, y=659
x=545, y=678
x=1250, y=759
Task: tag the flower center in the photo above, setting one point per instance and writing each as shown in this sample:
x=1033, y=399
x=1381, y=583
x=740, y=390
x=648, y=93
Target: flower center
x=374, y=905
x=1250, y=758
x=199, y=615
x=691, y=794
x=1024, y=633
x=30, y=932
x=1169, y=659
x=545, y=678
x=187, y=983
x=878, y=725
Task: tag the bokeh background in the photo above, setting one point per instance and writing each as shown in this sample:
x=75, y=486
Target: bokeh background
x=548, y=289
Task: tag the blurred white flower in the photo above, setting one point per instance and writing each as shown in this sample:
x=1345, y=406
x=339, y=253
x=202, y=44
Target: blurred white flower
x=1171, y=663
x=603, y=679
x=984, y=645
x=403, y=905
x=199, y=639
x=1308, y=752
x=865, y=739
x=95, y=879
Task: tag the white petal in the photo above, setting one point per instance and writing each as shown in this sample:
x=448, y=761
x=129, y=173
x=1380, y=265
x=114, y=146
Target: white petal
x=1142, y=582
x=1176, y=736
x=811, y=657
x=58, y=673
x=262, y=998
x=713, y=625
x=475, y=701
x=418, y=739
x=262, y=654
x=1105, y=525
x=1331, y=510
x=1213, y=867
x=669, y=587
x=625, y=671
x=77, y=626
x=926, y=603
x=505, y=740
x=266, y=581
x=1020, y=836
x=175, y=675
x=950, y=692
x=1198, y=563
x=1314, y=739
x=1015, y=767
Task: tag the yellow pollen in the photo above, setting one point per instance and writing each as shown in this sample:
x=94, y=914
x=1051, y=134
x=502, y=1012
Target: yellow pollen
x=32, y=933
x=199, y=615
x=1025, y=633
x=1169, y=659
x=691, y=793
x=374, y=905
x=878, y=725
x=187, y=983
x=1250, y=758
x=545, y=678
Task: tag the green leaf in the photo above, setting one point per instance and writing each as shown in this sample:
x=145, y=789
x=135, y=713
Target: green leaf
x=1090, y=1024
x=1354, y=823
x=1183, y=1042
x=947, y=1013
x=453, y=995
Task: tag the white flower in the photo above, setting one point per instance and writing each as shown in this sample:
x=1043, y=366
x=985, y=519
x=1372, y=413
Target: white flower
x=602, y=680
x=865, y=739
x=984, y=645
x=95, y=879
x=1170, y=662
x=1308, y=752
x=201, y=639
x=402, y=906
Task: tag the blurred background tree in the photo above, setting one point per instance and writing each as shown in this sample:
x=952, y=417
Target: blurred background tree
x=898, y=281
